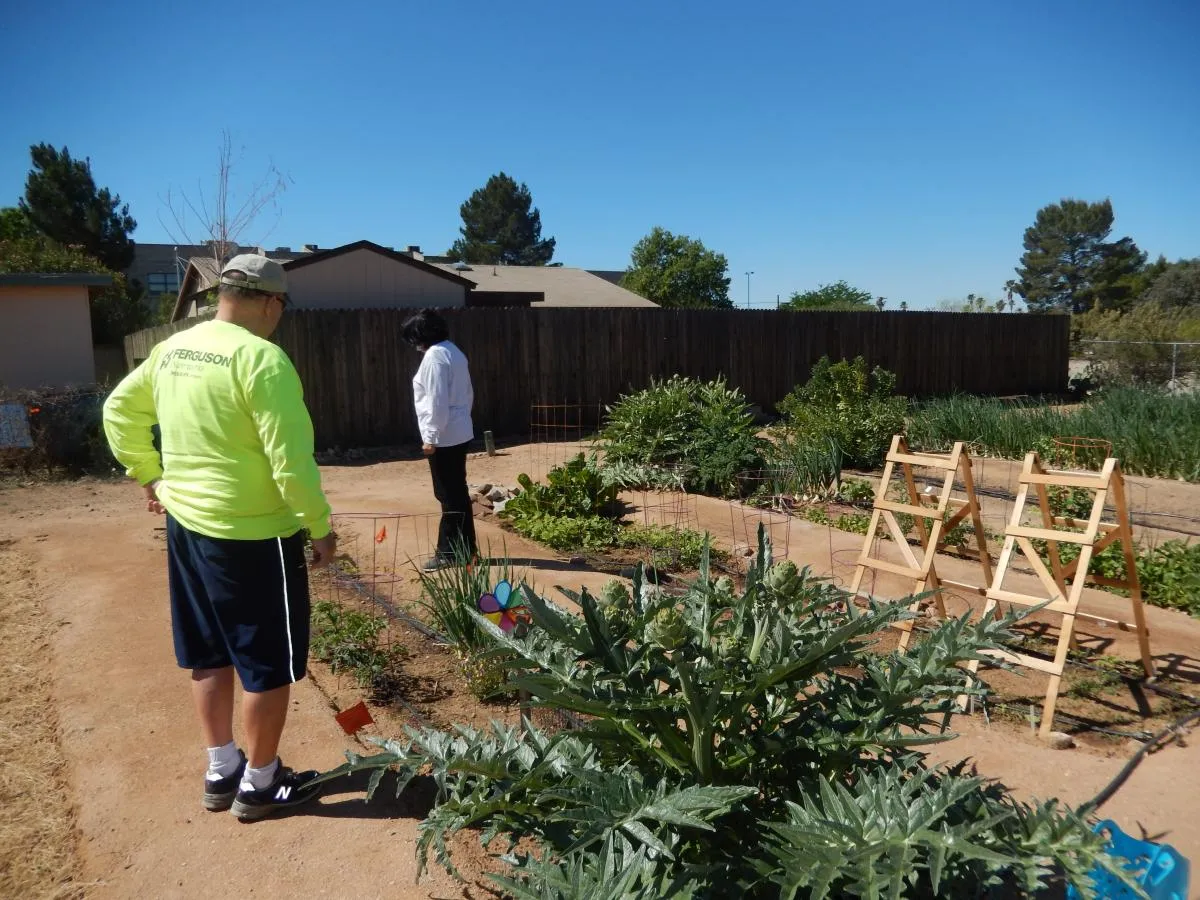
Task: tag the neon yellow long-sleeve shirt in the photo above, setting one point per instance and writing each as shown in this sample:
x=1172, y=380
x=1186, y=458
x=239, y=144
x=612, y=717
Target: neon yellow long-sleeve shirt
x=237, y=441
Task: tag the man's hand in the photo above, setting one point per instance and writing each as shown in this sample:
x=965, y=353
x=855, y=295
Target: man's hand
x=152, y=504
x=428, y=449
x=324, y=550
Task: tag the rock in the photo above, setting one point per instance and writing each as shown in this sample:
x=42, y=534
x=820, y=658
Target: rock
x=577, y=560
x=497, y=493
x=1059, y=740
x=481, y=498
x=484, y=488
x=498, y=506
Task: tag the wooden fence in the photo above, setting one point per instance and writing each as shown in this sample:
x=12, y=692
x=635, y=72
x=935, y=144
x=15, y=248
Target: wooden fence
x=357, y=370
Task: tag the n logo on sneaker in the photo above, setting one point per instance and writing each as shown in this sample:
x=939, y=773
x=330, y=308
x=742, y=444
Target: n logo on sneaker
x=283, y=793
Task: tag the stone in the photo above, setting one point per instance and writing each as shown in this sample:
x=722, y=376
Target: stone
x=498, y=506
x=497, y=493
x=484, y=488
x=1059, y=740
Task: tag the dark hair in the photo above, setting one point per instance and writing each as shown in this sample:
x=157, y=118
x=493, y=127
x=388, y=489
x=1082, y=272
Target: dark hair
x=425, y=329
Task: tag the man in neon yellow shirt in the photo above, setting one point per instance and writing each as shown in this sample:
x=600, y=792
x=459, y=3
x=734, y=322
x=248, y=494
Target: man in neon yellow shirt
x=240, y=486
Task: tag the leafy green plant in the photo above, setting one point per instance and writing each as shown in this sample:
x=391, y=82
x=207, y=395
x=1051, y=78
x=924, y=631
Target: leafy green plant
x=684, y=547
x=348, y=641
x=816, y=514
x=735, y=743
x=1170, y=576
x=1169, y=573
x=1071, y=503
x=857, y=409
x=856, y=490
x=568, y=532
x=576, y=508
x=702, y=428
x=856, y=523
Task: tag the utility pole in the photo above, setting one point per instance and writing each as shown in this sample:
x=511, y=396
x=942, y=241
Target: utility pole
x=748, y=274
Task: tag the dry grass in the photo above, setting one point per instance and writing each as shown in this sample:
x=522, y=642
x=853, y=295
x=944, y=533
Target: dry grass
x=38, y=857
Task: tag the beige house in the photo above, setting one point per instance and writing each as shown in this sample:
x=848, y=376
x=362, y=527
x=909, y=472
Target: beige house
x=46, y=330
x=361, y=275
x=364, y=275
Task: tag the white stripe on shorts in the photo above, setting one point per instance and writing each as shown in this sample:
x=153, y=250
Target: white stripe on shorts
x=287, y=613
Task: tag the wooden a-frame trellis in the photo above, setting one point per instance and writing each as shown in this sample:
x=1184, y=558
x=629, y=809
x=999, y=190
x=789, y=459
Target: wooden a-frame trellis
x=929, y=513
x=1064, y=595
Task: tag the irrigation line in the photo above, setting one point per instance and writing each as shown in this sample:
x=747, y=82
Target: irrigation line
x=1173, y=731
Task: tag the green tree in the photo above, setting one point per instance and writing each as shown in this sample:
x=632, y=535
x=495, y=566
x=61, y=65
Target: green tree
x=15, y=224
x=1069, y=265
x=679, y=272
x=1178, y=285
x=501, y=226
x=62, y=201
x=837, y=296
x=116, y=311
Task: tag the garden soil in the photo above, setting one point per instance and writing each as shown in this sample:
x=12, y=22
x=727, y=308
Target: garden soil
x=130, y=742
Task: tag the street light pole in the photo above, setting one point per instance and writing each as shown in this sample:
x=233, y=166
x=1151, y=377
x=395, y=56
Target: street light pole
x=748, y=274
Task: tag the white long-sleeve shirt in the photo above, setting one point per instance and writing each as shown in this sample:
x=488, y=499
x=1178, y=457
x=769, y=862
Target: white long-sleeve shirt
x=443, y=396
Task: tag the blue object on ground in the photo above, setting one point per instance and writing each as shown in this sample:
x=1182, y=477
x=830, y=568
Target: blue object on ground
x=1158, y=868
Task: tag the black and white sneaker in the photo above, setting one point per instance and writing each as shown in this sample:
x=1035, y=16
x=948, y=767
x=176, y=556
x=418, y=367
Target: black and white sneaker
x=288, y=789
x=219, y=792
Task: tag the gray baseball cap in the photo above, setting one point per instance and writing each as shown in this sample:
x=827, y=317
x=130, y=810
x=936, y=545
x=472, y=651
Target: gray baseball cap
x=260, y=274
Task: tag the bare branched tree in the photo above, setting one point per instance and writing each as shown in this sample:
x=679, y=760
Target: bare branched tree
x=218, y=217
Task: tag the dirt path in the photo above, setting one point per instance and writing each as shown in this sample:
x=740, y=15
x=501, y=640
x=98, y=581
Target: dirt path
x=131, y=745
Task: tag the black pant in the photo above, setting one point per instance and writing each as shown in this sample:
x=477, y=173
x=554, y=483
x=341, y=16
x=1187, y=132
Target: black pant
x=448, y=466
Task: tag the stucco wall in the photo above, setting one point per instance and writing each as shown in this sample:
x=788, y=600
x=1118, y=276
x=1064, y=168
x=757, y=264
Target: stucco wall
x=45, y=337
x=363, y=279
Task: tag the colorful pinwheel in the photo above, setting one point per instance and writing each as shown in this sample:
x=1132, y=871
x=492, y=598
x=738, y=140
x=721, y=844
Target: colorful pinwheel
x=503, y=606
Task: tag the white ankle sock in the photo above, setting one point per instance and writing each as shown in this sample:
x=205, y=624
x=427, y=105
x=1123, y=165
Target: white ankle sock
x=223, y=761
x=257, y=779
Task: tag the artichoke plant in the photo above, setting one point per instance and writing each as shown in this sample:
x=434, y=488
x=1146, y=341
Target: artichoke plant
x=733, y=745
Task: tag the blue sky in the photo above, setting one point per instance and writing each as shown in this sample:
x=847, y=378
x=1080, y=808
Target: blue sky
x=901, y=146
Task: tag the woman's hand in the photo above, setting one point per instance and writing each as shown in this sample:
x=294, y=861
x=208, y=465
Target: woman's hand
x=427, y=449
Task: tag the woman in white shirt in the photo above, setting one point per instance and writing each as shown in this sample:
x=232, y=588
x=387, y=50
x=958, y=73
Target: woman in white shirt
x=443, y=396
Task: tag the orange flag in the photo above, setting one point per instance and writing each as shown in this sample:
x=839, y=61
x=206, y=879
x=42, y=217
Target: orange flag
x=382, y=535
x=354, y=718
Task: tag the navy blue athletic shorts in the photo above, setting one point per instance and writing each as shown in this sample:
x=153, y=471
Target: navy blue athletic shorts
x=239, y=603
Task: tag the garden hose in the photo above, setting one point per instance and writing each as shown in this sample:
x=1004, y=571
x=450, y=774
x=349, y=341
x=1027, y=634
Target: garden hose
x=1171, y=731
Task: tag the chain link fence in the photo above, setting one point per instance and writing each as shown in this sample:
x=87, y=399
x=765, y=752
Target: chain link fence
x=1174, y=364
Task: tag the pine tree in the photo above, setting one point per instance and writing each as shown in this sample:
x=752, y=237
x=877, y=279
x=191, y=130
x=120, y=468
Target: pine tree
x=501, y=226
x=1070, y=266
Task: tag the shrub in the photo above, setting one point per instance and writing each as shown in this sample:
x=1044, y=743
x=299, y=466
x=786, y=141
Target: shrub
x=737, y=744
x=703, y=427
x=857, y=409
x=67, y=432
